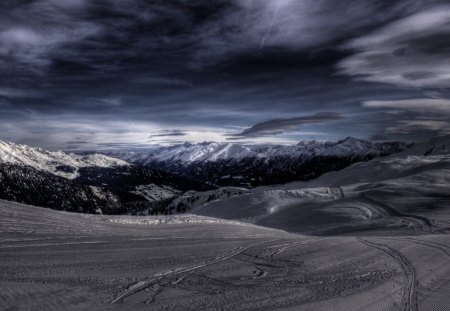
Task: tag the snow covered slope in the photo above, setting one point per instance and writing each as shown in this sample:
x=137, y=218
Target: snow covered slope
x=438, y=145
x=431, y=155
x=402, y=192
x=57, y=163
x=154, y=192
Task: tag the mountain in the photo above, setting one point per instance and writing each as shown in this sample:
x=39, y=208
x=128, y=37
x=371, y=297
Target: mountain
x=403, y=192
x=213, y=151
x=227, y=164
x=92, y=183
x=159, y=182
x=57, y=163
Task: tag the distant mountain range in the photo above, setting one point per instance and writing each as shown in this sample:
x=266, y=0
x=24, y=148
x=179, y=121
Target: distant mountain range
x=131, y=182
x=57, y=163
x=227, y=164
x=91, y=183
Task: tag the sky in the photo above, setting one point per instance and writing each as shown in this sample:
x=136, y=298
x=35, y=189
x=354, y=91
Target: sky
x=111, y=74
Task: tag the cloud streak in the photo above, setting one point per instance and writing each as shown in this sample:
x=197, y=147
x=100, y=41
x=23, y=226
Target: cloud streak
x=31, y=44
x=281, y=126
x=424, y=106
x=429, y=115
x=411, y=126
x=411, y=52
x=168, y=133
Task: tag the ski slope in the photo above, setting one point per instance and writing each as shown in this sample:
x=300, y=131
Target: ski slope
x=52, y=260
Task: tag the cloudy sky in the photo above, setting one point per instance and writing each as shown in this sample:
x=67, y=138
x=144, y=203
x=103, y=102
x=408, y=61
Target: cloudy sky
x=99, y=74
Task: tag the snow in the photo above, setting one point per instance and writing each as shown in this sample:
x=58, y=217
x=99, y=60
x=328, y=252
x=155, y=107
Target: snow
x=165, y=220
x=154, y=192
x=202, y=152
x=438, y=145
x=57, y=162
x=55, y=260
x=192, y=199
x=213, y=151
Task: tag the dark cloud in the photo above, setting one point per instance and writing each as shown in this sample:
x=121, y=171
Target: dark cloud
x=12, y=93
x=419, y=115
x=168, y=133
x=291, y=24
x=412, y=126
x=124, y=69
x=280, y=126
x=412, y=52
x=421, y=106
x=77, y=142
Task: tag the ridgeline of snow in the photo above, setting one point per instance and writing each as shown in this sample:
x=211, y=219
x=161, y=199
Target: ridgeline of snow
x=163, y=220
x=57, y=162
x=213, y=151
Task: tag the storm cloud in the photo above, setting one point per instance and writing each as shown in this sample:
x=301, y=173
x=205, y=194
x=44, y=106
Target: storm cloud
x=168, y=133
x=128, y=73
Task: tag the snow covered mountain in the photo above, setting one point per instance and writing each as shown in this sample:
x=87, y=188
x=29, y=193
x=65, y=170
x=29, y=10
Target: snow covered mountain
x=227, y=164
x=57, y=163
x=213, y=151
x=92, y=183
x=407, y=191
x=415, y=179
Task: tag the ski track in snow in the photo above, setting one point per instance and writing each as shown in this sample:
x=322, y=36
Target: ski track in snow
x=141, y=285
x=263, y=269
x=409, y=291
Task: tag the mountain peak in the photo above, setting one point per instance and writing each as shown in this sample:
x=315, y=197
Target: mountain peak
x=55, y=162
x=218, y=151
x=350, y=139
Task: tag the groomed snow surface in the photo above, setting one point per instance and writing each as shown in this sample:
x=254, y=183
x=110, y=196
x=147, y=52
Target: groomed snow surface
x=54, y=260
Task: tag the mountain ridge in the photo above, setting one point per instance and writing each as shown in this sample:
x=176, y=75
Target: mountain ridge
x=101, y=183
x=228, y=164
x=55, y=162
x=215, y=151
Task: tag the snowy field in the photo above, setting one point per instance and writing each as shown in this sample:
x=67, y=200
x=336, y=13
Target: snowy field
x=401, y=194
x=52, y=260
